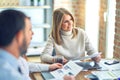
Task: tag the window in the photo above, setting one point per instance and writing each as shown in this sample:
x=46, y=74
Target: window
x=92, y=21
x=110, y=18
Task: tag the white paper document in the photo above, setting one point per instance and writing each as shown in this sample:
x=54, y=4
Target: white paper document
x=91, y=56
x=69, y=68
x=107, y=75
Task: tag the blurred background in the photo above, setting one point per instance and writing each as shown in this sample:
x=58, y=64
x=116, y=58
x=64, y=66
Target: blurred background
x=99, y=18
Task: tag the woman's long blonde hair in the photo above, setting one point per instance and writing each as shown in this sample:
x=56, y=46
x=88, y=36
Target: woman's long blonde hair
x=57, y=23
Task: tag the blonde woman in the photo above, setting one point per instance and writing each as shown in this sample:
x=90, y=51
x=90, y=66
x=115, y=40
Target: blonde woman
x=66, y=39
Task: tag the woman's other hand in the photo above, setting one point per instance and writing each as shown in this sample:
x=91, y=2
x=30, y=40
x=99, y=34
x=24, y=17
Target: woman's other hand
x=65, y=60
x=97, y=59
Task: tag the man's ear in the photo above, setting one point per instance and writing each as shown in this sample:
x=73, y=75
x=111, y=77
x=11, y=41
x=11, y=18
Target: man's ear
x=20, y=36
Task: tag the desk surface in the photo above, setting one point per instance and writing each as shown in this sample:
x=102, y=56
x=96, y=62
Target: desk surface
x=33, y=59
x=37, y=75
x=80, y=76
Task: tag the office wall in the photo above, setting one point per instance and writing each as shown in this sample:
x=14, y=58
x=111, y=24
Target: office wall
x=76, y=7
x=102, y=27
x=117, y=31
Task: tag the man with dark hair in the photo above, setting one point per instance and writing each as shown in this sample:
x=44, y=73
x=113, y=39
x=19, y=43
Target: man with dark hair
x=15, y=36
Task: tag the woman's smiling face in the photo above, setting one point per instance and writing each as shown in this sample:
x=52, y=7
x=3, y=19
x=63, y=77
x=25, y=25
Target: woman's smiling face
x=67, y=23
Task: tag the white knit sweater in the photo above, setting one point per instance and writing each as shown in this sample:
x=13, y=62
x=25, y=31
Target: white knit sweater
x=72, y=48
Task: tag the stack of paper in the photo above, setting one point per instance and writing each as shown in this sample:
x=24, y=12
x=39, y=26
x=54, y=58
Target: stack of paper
x=109, y=67
x=107, y=75
x=108, y=72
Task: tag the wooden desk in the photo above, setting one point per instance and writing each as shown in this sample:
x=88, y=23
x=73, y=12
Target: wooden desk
x=37, y=75
x=33, y=59
x=80, y=76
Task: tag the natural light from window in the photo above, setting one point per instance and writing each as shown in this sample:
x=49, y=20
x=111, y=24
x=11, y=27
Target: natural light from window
x=92, y=21
x=110, y=28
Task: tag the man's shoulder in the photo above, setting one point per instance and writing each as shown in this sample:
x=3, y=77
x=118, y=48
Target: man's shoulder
x=5, y=66
x=7, y=72
x=4, y=75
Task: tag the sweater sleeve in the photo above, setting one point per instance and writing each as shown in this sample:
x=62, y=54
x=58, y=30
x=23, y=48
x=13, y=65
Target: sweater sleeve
x=46, y=55
x=88, y=45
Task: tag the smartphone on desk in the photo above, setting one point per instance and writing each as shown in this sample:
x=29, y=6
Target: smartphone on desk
x=111, y=62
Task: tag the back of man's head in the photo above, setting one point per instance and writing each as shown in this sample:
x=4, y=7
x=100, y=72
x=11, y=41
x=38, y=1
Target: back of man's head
x=11, y=22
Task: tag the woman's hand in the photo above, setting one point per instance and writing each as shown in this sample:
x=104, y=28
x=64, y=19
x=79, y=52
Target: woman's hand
x=59, y=59
x=65, y=60
x=97, y=59
x=55, y=66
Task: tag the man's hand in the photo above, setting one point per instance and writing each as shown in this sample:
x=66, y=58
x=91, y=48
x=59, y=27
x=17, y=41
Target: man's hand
x=55, y=66
x=67, y=77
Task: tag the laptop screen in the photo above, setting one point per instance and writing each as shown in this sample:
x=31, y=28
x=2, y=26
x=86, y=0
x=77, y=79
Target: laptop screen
x=47, y=75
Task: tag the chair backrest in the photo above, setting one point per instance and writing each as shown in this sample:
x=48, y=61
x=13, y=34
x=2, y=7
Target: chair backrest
x=53, y=53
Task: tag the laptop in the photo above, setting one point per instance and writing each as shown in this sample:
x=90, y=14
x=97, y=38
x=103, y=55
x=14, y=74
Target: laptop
x=47, y=75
